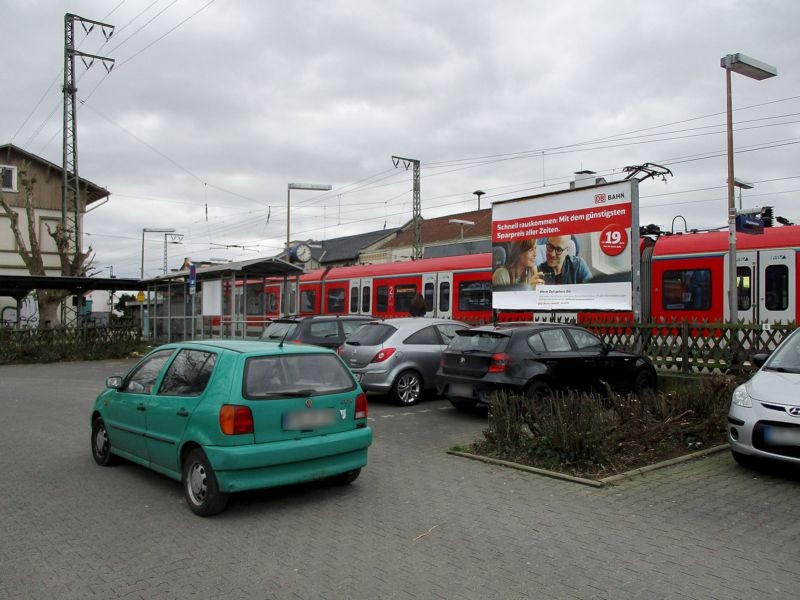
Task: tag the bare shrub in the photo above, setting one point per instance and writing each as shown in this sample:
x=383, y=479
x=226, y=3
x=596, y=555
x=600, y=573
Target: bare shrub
x=591, y=434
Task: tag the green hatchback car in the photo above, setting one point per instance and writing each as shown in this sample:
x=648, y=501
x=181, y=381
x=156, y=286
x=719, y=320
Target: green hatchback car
x=228, y=416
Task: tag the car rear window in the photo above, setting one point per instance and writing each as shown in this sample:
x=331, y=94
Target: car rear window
x=278, y=330
x=483, y=341
x=371, y=334
x=304, y=374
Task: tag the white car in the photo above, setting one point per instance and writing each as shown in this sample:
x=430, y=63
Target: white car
x=764, y=418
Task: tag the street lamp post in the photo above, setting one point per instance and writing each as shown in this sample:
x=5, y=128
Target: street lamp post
x=295, y=186
x=749, y=67
x=298, y=186
x=150, y=230
x=479, y=193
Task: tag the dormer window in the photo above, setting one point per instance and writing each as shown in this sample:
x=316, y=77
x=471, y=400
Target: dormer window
x=9, y=178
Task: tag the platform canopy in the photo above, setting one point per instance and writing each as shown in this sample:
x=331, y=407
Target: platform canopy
x=19, y=286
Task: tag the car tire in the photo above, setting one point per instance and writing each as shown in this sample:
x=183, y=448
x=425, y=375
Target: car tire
x=644, y=382
x=200, y=485
x=407, y=388
x=538, y=390
x=101, y=445
x=345, y=478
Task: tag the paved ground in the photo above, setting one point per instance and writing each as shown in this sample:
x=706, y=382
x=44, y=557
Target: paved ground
x=417, y=524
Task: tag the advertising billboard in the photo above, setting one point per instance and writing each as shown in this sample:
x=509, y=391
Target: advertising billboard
x=571, y=250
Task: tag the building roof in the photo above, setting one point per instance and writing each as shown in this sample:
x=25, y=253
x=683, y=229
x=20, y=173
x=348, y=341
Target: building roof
x=440, y=229
x=93, y=191
x=347, y=248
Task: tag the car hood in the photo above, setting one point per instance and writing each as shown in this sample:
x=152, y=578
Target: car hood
x=775, y=387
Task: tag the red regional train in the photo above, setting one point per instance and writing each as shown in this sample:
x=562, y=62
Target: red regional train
x=683, y=278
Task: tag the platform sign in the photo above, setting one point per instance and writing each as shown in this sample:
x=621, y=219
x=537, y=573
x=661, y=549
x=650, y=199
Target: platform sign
x=192, y=279
x=571, y=250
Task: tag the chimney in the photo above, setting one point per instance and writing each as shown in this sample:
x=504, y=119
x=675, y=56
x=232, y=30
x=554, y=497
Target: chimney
x=585, y=179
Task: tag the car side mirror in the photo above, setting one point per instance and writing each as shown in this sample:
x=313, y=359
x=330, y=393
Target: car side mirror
x=114, y=382
x=759, y=359
x=608, y=348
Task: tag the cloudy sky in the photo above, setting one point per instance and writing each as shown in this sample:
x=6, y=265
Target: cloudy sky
x=213, y=107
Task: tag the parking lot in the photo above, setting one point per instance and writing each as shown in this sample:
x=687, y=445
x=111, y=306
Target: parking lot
x=418, y=523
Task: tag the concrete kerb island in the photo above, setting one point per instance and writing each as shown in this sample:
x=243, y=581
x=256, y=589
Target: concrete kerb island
x=598, y=483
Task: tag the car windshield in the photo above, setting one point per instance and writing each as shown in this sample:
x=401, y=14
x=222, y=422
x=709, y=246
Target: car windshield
x=483, y=341
x=787, y=357
x=371, y=334
x=278, y=330
x=295, y=375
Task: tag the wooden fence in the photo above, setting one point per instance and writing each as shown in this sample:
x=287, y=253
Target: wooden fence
x=68, y=343
x=695, y=347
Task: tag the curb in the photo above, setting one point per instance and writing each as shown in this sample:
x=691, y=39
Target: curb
x=597, y=483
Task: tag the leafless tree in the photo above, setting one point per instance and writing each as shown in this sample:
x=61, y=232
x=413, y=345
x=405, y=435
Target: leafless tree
x=30, y=250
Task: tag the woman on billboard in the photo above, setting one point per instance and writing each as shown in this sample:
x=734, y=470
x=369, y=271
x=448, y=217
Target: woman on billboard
x=519, y=270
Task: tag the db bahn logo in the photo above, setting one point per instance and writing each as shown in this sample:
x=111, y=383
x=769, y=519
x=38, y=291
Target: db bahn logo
x=599, y=198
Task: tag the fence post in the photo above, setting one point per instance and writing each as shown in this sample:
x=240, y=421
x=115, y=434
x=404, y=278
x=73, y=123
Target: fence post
x=685, y=366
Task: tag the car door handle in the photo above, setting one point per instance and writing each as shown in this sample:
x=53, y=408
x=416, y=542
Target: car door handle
x=182, y=413
x=141, y=408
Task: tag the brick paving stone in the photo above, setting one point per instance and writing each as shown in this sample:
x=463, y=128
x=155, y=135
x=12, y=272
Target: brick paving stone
x=417, y=524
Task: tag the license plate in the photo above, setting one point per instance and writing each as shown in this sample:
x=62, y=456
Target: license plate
x=779, y=436
x=309, y=419
x=461, y=390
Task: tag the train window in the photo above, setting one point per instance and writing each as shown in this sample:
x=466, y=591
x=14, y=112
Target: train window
x=428, y=293
x=475, y=295
x=254, y=299
x=444, y=296
x=382, y=300
x=776, y=287
x=365, y=299
x=353, y=299
x=336, y=300
x=403, y=295
x=686, y=289
x=744, y=284
x=272, y=302
x=308, y=301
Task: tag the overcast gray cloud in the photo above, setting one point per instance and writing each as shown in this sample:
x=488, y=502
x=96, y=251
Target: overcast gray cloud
x=201, y=129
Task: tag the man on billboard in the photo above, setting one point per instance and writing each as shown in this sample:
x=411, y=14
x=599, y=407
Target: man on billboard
x=560, y=266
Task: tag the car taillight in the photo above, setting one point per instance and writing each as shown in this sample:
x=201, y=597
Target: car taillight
x=383, y=355
x=500, y=362
x=361, y=406
x=235, y=420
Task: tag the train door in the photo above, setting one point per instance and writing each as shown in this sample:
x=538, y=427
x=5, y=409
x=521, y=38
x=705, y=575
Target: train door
x=437, y=291
x=360, y=302
x=746, y=290
x=777, y=282
x=444, y=296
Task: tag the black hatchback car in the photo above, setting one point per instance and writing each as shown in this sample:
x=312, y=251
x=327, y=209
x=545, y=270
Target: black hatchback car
x=535, y=359
x=328, y=331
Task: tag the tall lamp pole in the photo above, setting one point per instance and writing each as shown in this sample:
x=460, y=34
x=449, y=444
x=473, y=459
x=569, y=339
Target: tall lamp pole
x=299, y=186
x=749, y=67
x=479, y=193
x=320, y=187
